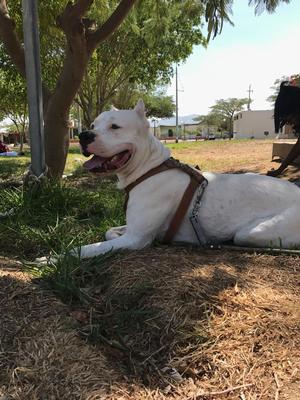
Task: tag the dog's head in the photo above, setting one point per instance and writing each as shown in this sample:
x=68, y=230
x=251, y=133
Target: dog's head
x=114, y=138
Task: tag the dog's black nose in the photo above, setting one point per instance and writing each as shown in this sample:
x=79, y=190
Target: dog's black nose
x=85, y=138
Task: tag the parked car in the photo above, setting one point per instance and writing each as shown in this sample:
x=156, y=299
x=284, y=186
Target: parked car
x=227, y=135
x=210, y=136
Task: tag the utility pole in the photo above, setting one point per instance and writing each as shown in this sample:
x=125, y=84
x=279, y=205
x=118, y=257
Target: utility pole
x=176, y=74
x=79, y=125
x=249, y=97
x=34, y=86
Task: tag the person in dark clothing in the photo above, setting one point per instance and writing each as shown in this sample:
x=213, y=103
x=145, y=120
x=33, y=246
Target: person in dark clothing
x=3, y=147
x=287, y=111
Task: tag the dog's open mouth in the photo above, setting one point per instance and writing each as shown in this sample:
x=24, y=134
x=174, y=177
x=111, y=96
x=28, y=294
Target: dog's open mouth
x=100, y=164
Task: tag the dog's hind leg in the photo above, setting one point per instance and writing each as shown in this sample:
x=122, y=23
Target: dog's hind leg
x=115, y=232
x=280, y=230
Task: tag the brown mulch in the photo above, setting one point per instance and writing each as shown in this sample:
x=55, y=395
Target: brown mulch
x=219, y=325
x=41, y=356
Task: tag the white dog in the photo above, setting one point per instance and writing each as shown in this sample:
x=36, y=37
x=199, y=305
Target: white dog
x=250, y=209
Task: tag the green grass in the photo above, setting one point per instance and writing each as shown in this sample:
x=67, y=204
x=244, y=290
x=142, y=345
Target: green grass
x=57, y=217
x=13, y=167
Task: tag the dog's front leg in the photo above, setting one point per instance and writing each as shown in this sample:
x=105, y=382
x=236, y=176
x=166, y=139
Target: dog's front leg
x=115, y=232
x=126, y=241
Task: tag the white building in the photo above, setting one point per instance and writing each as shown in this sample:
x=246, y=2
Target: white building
x=166, y=127
x=258, y=124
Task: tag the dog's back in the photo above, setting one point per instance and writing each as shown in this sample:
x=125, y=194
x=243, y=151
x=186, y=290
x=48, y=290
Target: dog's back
x=287, y=107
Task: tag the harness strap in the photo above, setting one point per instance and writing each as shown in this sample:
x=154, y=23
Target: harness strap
x=181, y=210
x=195, y=180
x=160, y=168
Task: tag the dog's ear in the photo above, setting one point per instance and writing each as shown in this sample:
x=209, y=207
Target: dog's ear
x=140, y=108
x=113, y=108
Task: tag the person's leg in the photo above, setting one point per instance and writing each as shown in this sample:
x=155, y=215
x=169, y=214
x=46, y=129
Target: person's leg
x=293, y=154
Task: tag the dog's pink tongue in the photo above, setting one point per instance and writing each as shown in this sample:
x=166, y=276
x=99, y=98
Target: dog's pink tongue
x=94, y=162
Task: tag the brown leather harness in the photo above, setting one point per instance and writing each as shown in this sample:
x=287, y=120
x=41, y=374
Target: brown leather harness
x=196, y=179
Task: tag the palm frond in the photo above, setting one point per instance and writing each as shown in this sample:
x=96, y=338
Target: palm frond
x=268, y=5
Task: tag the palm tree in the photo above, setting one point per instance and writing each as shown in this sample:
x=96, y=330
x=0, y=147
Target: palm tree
x=218, y=11
x=269, y=5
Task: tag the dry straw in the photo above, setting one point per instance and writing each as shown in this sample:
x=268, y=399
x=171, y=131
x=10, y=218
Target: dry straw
x=172, y=323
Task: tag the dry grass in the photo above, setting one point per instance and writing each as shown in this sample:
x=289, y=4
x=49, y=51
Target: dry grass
x=41, y=355
x=228, y=155
x=220, y=320
x=167, y=323
x=232, y=156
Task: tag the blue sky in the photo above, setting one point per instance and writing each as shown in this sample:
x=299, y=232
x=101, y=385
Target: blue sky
x=256, y=50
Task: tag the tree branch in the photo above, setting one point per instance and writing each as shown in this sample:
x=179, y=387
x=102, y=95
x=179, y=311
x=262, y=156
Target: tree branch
x=113, y=22
x=10, y=39
x=72, y=23
x=13, y=46
x=71, y=20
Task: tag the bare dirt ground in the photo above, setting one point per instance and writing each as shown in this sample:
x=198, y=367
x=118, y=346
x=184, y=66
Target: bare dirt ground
x=234, y=156
x=217, y=324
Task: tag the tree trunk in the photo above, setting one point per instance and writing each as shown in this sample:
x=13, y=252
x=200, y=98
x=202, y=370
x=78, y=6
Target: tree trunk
x=56, y=145
x=81, y=40
x=21, y=141
x=56, y=119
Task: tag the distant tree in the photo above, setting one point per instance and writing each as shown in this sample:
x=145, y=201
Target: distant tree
x=13, y=102
x=156, y=102
x=276, y=86
x=159, y=106
x=213, y=120
x=227, y=108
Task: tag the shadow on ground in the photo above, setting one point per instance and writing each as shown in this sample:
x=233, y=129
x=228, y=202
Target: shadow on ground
x=165, y=323
x=13, y=167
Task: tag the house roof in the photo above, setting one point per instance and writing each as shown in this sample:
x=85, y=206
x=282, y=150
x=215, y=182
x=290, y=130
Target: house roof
x=186, y=120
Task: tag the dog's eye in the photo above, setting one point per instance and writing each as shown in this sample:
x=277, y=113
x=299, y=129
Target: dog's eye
x=114, y=126
x=92, y=126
